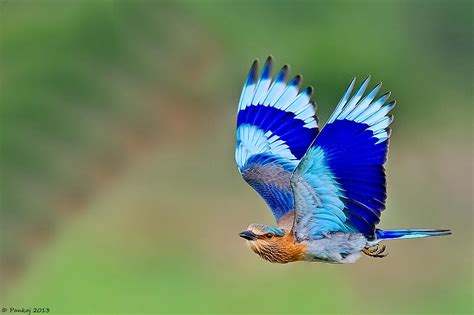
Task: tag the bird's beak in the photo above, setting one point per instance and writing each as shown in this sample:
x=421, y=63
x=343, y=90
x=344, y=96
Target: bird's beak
x=248, y=235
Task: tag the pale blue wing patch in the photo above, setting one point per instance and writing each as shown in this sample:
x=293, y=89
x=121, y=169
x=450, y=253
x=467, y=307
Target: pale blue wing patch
x=253, y=140
x=317, y=197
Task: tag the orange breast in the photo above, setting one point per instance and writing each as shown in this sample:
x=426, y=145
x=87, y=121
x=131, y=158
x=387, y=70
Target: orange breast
x=295, y=250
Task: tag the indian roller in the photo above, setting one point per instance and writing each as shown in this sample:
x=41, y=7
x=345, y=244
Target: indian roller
x=326, y=188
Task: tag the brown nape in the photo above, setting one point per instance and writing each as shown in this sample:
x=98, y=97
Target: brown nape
x=286, y=221
x=279, y=249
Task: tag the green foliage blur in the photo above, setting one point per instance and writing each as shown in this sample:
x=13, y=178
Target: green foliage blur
x=119, y=192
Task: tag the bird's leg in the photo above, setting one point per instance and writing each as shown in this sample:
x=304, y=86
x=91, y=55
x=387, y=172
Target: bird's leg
x=375, y=251
x=372, y=249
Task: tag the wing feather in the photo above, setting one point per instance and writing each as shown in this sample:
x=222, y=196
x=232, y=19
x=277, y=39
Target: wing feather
x=339, y=185
x=276, y=123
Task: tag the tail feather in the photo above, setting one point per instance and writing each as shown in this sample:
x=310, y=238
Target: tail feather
x=404, y=234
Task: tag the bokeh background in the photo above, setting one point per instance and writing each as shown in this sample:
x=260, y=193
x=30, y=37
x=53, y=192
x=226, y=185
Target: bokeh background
x=119, y=192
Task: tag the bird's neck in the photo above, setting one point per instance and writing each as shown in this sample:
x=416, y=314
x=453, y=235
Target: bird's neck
x=281, y=250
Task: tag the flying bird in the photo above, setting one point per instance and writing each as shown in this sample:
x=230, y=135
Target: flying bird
x=326, y=188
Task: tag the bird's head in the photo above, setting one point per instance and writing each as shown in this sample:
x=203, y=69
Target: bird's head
x=260, y=232
x=270, y=242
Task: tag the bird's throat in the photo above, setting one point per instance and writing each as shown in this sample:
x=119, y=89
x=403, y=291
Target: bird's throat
x=279, y=249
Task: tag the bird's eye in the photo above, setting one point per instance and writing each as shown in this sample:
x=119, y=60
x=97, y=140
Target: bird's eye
x=269, y=235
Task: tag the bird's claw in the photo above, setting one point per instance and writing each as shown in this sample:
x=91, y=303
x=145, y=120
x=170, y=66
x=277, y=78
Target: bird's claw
x=375, y=251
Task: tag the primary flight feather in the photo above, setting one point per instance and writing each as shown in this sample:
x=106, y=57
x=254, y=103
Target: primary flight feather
x=327, y=188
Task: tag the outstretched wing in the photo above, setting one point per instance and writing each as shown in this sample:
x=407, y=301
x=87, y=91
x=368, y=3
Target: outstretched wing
x=340, y=183
x=275, y=126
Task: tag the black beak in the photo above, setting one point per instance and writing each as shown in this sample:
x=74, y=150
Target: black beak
x=248, y=235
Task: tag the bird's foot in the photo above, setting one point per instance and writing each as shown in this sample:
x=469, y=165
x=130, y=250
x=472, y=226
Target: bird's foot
x=375, y=251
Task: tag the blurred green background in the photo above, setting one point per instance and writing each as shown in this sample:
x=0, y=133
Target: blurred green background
x=119, y=192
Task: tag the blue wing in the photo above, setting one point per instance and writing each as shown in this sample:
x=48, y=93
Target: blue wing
x=340, y=183
x=275, y=126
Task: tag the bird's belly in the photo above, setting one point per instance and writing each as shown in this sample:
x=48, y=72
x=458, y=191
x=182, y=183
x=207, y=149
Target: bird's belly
x=338, y=248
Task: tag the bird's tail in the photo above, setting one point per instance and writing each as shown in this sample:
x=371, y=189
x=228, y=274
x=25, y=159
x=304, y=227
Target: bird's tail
x=403, y=234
